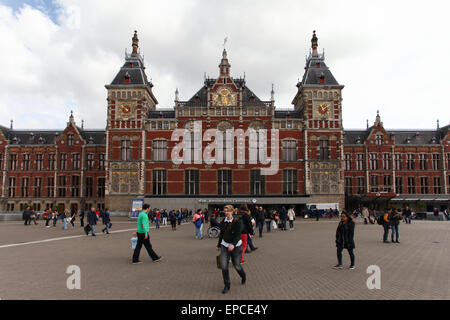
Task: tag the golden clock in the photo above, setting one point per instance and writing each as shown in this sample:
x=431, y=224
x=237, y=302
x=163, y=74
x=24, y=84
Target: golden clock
x=125, y=110
x=323, y=110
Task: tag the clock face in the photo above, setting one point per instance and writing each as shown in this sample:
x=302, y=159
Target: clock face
x=125, y=110
x=224, y=97
x=323, y=110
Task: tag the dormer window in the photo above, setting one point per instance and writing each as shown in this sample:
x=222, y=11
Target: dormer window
x=41, y=140
x=322, y=78
x=408, y=140
x=130, y=65
x=70, y=139
x=252, y=98
x=91, y=140
x=127, y=78
x=15, y=140
x=379, y=139
x=358, y=140
x=197, y=98
x=318, y=64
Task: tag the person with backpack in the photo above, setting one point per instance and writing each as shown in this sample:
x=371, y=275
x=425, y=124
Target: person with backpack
x=395, y=221
x=386, y=223
x=345, y=239
x=230, y=246
x=198, y=221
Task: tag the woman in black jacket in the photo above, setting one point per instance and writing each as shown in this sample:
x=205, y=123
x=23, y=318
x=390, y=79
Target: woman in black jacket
x=230, y=245
x=344, y=239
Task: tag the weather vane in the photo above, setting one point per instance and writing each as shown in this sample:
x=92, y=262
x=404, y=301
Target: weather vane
x=225, y=41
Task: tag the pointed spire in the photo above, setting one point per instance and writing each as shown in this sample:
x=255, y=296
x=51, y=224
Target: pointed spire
x=176, y=95
x=314, y=44
x=135, y=43
x=378, y=119
x=224, y=64
x=82, y=124
x=11, y=124
x=438, y=124
x=367, y=124
x=272, y=94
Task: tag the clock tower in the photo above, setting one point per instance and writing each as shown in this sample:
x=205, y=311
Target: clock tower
x=319, y=100
x=130, y=99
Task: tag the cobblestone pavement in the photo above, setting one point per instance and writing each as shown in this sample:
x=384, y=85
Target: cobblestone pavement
x=288, y=264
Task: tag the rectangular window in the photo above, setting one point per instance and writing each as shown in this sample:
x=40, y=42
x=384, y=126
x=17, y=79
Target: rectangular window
x=126, y=150
x=386, y=161
x=397, y=161
x=101, y=183
x=37, y=187
x=373, y=161
x=361, y=185
x=422, y=161
x=324, y=153
x=25, y=187
x=224, y=182
x=160, y=182
x=436, y=161
x=348, y=186
x=348, y=161
x=159, y=150
x=50, y=187
x=26, y=162
x=70, y=139
x=289, y=150
x=411, y=185
x=13, y=162
x=62, y=186
x=75, y=186
x=374, y=184
x=101, y=162
x=12, y=188
x=410, y=161
x=387, y=183
x=51, y=161
x=257, y=182
x=191, y=181
x=63, y=161
x=90, y=161
x=76, y=161
x=379, y=139
x=424, y=185
x=39, y=162
x=437, y=189
x=289, y=181
x=89, y=186
x=360, y=161
x=398, y=185
x=10, y=207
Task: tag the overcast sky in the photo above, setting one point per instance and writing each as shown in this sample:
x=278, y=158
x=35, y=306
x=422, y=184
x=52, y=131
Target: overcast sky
x=56, y=56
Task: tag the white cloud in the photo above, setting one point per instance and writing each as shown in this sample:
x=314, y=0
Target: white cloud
x=390, y=55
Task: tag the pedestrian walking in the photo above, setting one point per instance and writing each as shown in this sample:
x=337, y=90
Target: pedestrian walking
x=157, y=217
x=436, y=214
x=55, y=217
x=47, y=216
x=407, y=215
x=92, y=221
x=230, y=246
x=107, y=218
x=81, y=218
x=73, y=215
x=143, y=229
x=395, y=219
x=447, y=214
x=179, y=216
x=291, y=216
x=283, y=218
x=26, y=216
x=247, y=228
x=260, y=217
x=173, y=220
x=64, y=217
x=268, y=218
x=164, y=217
x=365, y=214
x=345, y=239
x=198, y=221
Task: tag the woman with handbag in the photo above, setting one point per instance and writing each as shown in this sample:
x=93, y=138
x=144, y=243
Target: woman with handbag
x=344, y=239
x=230, y=245
x=198, y=221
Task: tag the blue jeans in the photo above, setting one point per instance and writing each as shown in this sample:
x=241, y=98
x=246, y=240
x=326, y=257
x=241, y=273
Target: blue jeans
x=64, y=227
x=386, y=227
x=157, y=223
x=394, y=230
x=199, y=231
x=268, y=225
x=93, y=229
x=291, y=224
x=260, y=227
x=250, y=243
x=283, y=224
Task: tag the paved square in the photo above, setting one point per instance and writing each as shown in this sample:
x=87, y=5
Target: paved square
x=288, y=265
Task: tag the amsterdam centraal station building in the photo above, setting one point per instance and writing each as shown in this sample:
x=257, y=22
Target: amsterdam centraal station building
x=319, y=161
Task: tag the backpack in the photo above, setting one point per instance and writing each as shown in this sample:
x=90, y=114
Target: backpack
x=198, y=222
x=380, y=220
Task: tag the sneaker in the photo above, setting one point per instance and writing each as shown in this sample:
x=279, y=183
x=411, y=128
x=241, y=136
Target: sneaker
x=159, y=259
x=338, y=266
x=255, y=248
x=137, y=262
x=351, y=268
x=397, y=241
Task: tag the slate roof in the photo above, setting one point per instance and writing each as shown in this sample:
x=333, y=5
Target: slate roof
x=400, y=137
x=49, y=137
x=314, y=69
x=164, y=113
x=283, y=114
x=135, y=68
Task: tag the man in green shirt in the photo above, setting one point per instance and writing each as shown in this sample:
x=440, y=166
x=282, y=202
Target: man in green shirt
x=143, y=237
